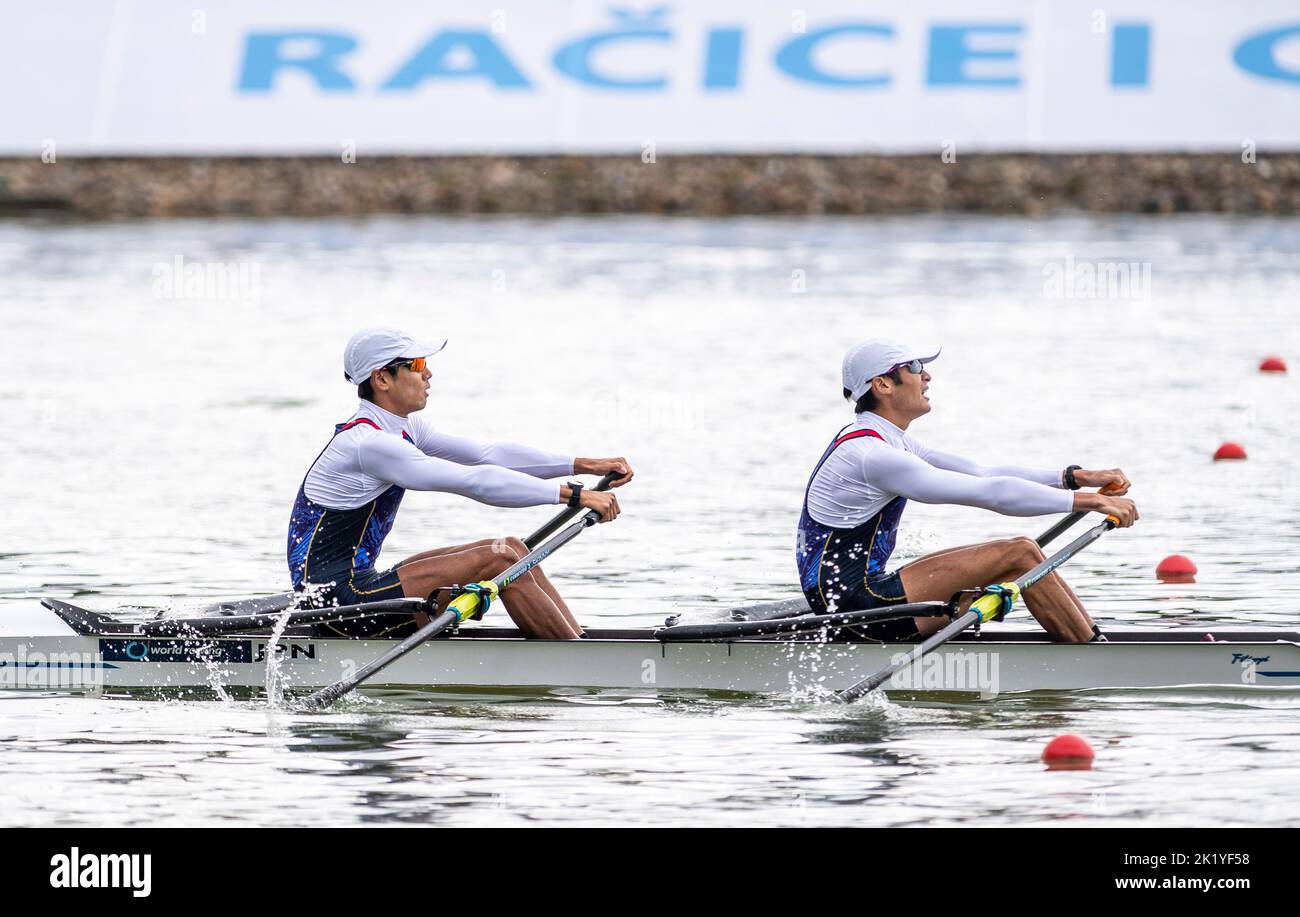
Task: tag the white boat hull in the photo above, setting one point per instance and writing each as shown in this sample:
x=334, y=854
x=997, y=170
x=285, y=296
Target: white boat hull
x=983, y=666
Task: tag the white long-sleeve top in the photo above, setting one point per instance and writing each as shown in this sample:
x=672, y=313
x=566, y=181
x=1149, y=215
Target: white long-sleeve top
x=864, y=474
x=362, y=462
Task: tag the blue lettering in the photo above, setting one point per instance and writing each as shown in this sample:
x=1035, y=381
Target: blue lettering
x=264, y=56
x=574, y=58
x=1257, y=55
x=1130, y=56
x=796, y=56
x=488, y=61
x=950, y=52
x=722, y=59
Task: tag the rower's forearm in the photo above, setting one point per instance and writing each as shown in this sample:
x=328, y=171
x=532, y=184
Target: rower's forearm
x=1085, y=501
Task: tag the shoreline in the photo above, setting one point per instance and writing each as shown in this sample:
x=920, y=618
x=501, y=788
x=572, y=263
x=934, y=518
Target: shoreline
x=1013, y=184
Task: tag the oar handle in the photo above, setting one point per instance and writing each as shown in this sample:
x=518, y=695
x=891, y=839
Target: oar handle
x=553, y=526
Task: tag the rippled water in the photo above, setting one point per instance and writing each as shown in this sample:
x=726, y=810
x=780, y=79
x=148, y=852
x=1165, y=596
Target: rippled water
x=153, y=446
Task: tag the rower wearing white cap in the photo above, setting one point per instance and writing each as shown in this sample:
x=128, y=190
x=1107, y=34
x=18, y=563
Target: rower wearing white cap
x=858, y=489
x=348, y=500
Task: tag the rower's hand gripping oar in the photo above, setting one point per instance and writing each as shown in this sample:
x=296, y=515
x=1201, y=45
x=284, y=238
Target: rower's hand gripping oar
x=564, y=516
x=1068, y=521
x=995, y=603
x=461, y=608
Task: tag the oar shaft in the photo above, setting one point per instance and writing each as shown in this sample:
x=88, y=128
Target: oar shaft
x=327, y=696
x=982, y=609
x=537, y=555
x=461, y=608
x=1061, y=556
x=550, y=528
x=935, y=640
x=987, y=606
x=1051, y=534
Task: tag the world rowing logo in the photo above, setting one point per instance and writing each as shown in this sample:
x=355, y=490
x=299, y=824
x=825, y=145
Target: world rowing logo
x=176, y=651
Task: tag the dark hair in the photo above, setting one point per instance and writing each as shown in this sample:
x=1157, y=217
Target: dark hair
x=868, y=400
x=366, y=391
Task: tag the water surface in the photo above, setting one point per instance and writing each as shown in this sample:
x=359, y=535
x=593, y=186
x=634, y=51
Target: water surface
x=154, y=444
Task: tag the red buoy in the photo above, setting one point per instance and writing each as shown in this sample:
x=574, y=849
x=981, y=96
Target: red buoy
x=1068, y=752
x=1229, y=451
x=1176, y=569
x=1272, y=365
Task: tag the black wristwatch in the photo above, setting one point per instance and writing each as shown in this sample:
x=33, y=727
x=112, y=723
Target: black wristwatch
x=575, y=495
x=1068, y=478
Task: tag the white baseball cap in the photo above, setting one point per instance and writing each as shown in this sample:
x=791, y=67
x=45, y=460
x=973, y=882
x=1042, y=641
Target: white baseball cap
x=374, y=348
x=876, y=357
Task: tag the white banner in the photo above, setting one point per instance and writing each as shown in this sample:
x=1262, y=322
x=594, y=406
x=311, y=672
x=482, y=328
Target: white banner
x=832, y=76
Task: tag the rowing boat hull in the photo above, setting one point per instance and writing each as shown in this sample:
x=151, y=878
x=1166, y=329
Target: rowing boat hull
x=641, y=663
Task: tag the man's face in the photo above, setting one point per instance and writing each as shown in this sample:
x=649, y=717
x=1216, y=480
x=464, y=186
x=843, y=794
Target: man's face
x=407, y=391
x=908, y=396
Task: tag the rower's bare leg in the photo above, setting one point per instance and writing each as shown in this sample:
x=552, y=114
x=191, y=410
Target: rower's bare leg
x=965, y=602
x=517, y=545
x=529, y=606
x=540, y=578
x=548, y=587
x=1074, y=597
x=936, y=577
x=451, y=549
x=421, y=618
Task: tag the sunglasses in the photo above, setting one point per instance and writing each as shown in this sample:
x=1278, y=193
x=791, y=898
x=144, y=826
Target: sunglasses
x=416, y=365
x=915, y=367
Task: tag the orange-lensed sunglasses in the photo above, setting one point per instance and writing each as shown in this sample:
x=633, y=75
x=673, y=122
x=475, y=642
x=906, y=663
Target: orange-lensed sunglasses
x=416, y=365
